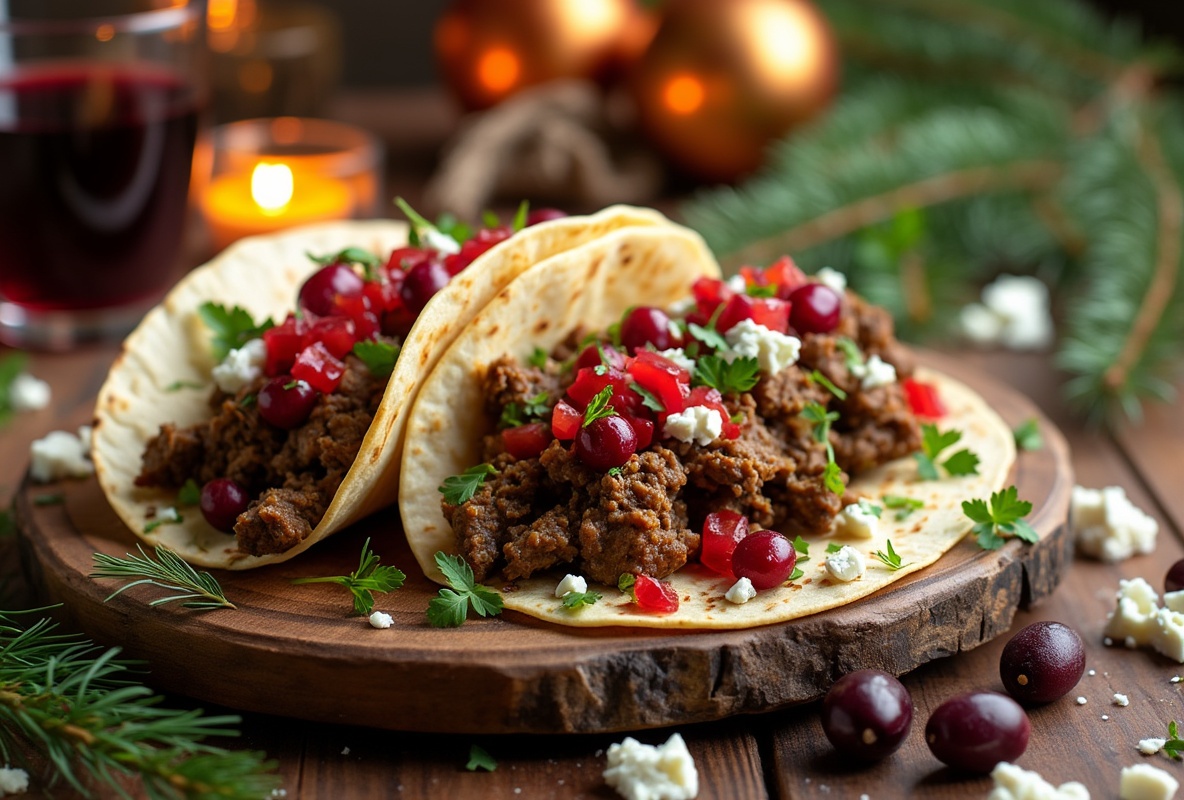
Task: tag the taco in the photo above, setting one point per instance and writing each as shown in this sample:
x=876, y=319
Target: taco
x=302, y=433
x=579, y=437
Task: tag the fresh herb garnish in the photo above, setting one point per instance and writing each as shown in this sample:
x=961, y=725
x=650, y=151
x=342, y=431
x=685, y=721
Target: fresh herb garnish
x=933, y=442
x=536, y=408
x=520, y=216
x=419, y=224
x=598, y=407
x=891, y=559
x=625, y=584
x=818, y=377
x=803, y=548
x=55, y=499
x=797, y=573
x=11, y=366
x=368, y=578
x=538, y=358
x=868, y=507
x=459, y=489
x=166, y=516
x=760, y=291
x=451, y=225
x=1002, y=520
x=450, y=608
x=834, y=547
x=189, y=493
x=903, y=505
x=647, y=398
x=178, y=385
x=1174, y=746
x=851, y=352
x=575, y=600
x=489, y=219
x=379, y=357
x=248, y=400
x=351, y=255
x=614, y=471
x=479, y=759
x=198, y=589
x=1028, y=436
x=290, y=385
x=732, y=377
x=707, y=334
x=832, y=475
x=232, y=328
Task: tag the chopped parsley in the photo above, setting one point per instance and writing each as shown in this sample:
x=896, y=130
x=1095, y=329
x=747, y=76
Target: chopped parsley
x=450, y=225
x=933, y=442
x=903, y=505
x=614, y=471
x=868, y=507
x=797, y=573
x=479, y=759
x=459, y=489
x=598, y=407
x=891, y=559
x=450, y=608
x=535, y=408
x=1174, y=746
x=178, y=385
x=647, y=398
x=538, y=358
x=818, y=377
x=851, y=352
x=419, y=225
x=625, y=584
x=803, y=548
x=1028, y=436
x=760, y=291
x=832, y=476
x=248, y=400
x=520, y=216
x=231, y=328
x=368, y=578
x=729, y=377
x=189, y=494
x=574, y=600
x=1002, y=520
x=707, y=334
x=290, y=385
x=379, y=357
x=834, y=547
x=11, y=366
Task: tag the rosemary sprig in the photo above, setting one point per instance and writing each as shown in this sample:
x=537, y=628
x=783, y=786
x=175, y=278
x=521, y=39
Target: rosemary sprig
x=199, y=589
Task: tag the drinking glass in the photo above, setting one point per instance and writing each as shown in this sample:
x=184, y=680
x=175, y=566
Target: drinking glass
x=99, y=106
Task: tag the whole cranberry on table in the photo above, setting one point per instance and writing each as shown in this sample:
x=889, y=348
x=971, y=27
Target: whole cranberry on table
x=867, y=714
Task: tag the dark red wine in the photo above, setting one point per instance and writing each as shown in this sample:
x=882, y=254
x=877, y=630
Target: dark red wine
x=94, y=177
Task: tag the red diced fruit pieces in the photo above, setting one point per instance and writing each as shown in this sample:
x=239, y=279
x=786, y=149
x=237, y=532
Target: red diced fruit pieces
x=283, y=342
x=316, y=365
x=643, y=429
x=543, y=215
x=366, y=321
x=222, y=500
x=816, y=308
x=711, y=398
x=661, y=377
x=722, y=531
x=527, y=441
x=588, y=384
x=566, y=420
x=654, y=595
x=471, y=250
x=286, y=402
x=785, y=275
x=323, y=287
x=336, y=333
x=605, y=443
x=590, y=357
x=709, y=293
x=774, y=314
x=422, y=282
x=766, y=558
x=646, y=325
x=923, y=399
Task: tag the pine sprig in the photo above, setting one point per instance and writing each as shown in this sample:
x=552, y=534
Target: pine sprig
x=168, y=571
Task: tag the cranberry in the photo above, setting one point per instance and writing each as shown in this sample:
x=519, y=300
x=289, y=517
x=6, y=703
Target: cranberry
x=320, y=292
x=527, y=441
x=544, y=215
x=1042, y=662
x=816, y=308
x=867, y=714
x=785, y=275
x=976, y=731
x=286, y=402
x=654, y=595
x=336, y=333
x=648, y=325
x=316, y=365
x=606, y=443
x=722, y=531
x=566, y=420
x=664, y=379
x=222, y=500
x=590, y=357
x=422, y=282
x=766, y=558
x=1174, y=580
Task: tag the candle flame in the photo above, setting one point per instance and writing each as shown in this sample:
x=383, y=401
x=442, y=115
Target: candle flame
x=271, y=187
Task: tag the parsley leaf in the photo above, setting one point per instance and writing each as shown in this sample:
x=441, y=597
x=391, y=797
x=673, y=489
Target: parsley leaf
x=760, y=291
x=1028, y=436
x=647, y=398
x=732, y=377
x=536, y=408
x=832, y=476
x=834, y=547
x=459, y=489
x=891, y=559
x=351, y=255
x=903, y=505
x=379, y=357
x=479, y=759
x=625, y=584
x=520, y=216
x=708, y=335
x=189, y=494
x=419, y=224
x=232, y=328
x=178, y=385
x=803, y=548
x=11, y=366
x=868, y=507
x=575, y=600
x=450, y=608
x=598, y=407
x=1001, y=520
x=450, y=225
x=851, y=352
x=933, y=442
x=818, y=377
x=368, y=578
x=538, y=358
x=1174, y=746
x=797, y=573
x=962, y=462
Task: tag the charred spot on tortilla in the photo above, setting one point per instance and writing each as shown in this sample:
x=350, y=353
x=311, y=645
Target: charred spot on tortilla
x=541, y=326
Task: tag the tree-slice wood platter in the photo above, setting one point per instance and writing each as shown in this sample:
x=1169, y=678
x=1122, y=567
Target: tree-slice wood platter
x=296, y=651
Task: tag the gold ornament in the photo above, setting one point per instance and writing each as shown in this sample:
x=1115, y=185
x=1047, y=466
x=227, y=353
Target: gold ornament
x=721, y=80
x=489, y=49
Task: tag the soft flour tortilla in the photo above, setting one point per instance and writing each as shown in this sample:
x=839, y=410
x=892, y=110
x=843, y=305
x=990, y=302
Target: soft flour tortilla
x=590, y=288
x=263, y=276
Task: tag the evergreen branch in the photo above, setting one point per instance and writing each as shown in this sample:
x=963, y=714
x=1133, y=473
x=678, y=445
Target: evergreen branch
x=199, y=589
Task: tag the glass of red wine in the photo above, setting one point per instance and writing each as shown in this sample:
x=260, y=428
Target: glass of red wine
x=98, y=116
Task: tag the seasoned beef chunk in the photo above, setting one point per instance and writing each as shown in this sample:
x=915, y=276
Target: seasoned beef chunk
x=171, y=457
x=277, y=521
x=507, y=381
x=543, y=543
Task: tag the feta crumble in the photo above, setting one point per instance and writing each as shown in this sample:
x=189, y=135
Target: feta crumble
x=61, y=454
x=874, y=372
x=441, y=242
x=13, y=780
x=569, y=584
x=1017, y=783
x=679, y=356
x=741, y=592
x=1121, y=700
x=645, y=772
x=1145, y=782
x=856, y=522
x=1150, y=747
x=27, y=393
x=1140, y=622
x=845, y=564
x=737, y=284
x=1174, y=601
x=381, y=620
x=832, y=278
x=169, y=514
x=698, y=424
x=241, y=366
x=1014, y=313
x=774, y=351
x=1108, y=526
x=1081, y=700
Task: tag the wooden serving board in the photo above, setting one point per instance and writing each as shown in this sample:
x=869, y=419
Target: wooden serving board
x=296, y=651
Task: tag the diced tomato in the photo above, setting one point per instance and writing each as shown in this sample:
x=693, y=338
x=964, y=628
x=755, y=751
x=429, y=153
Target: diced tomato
x=722, y=531
x=566, y=420
x=643, y=429
x=590, y=357
x=367, y=322
x=661, y=377
x=785, y=275
x=709, y=293
x=654, y=595
x=753, y=277
x=336, y=333
x=588, y=384
x=711, y=398
x=283, y=342
x=383, y=295
x=316, y=366
x=738, y=307
x=527, y=441
x=772, y=313
x=923, y=399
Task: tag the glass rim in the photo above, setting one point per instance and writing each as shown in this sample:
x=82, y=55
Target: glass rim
x=154, y=20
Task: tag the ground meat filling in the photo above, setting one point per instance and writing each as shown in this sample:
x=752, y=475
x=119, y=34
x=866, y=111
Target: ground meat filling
x=292, y=474
x=552, y=511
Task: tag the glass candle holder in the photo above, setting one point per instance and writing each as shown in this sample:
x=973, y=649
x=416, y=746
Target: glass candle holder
x=269, y=174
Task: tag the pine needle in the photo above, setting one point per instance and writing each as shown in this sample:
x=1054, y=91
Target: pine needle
x=198, y=589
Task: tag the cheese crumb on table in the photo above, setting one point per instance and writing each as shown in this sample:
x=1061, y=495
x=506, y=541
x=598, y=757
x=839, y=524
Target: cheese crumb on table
x=645, y=772
x=1019, y=307
x=571, y=583
x=741, y=592
x=1150, y=747
x=1108, y=526
x=1145, y=782
x=1016, y=783
x=13, y=780
x=1081, y=701
x=1121, y=700
x=61, y=454
x=381, y=620
x=27, y=393
x=1139, y=621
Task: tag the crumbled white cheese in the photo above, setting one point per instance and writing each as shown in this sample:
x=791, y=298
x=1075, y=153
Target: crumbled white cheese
x=1121, y=700
x=1021, y=303
x=27, y=393
x=1145, y=782
x=1150, y=747
x=61, y=454
x=680, y=308
x=845, y=564
x=741, y=592
x=774, y=351
x=1169, y=638
x=1174, y=601
x=169, y=514
x=241, y=366
x=874, y=372
x=679, y=356
x=645, y=772
x=1016, y=783
x=438, y=241
x=1108, y=526
x=1081, y=700
x=832, y=278
x=856, y=522
x=1140, y=622
x=980, y=324
x=737, y=284
x=569, y=584
x=698, y=424
x=13, y=780
x=380, y=620
x=1176, y=679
